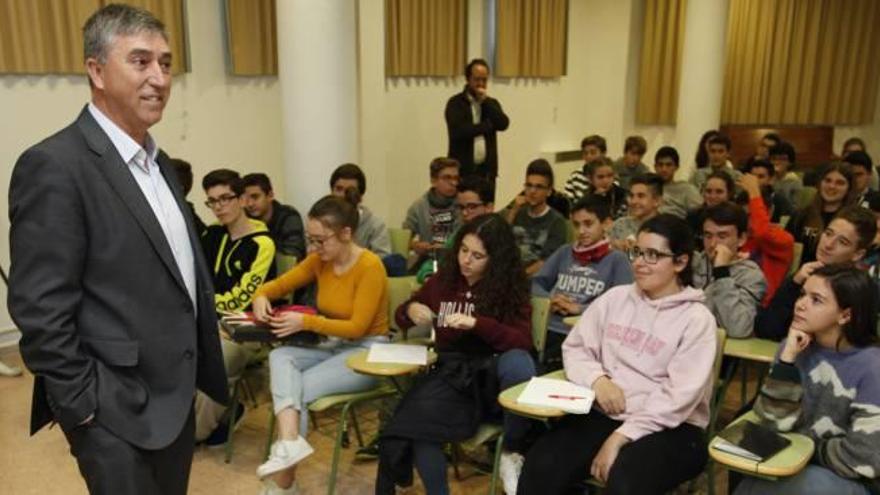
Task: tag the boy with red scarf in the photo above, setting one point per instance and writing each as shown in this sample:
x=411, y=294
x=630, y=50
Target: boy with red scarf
x=578, y=273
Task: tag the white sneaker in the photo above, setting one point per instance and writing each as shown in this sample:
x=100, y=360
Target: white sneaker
x=7, y=370
x=285, y=453
x=509, y=468
x=271, y=488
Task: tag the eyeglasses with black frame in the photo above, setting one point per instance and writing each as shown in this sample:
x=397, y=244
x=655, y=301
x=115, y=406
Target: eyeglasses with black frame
x=220, y=201
x=651, y=256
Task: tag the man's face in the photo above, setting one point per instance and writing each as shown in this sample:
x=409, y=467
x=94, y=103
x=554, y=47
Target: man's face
x=470, y=205
x=781, y=164
x=861, y=178
x=537, y=189
x=134, y=85
x=224, y=204
x=763, y=175
x=764, y=147
x=725, y=235
x=632, y=158
x=591, y=153
x=446, y=182
x=257, y=202
x=478, y=80
x=718, y=154
x=715, y=192
x=588, y=228
x=839, y=243
x=603, y=178
x=665, y=168
x=342, y=185
x=642, y=202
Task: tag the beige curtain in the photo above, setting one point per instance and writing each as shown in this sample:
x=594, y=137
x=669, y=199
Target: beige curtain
x=531, y=38
x=45, y=36
x=660, y=65
x=425, y=37
x=801, y=62
x=253, y=44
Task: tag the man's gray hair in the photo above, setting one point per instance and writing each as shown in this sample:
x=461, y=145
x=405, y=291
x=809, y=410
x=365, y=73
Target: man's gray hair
x=115, y=20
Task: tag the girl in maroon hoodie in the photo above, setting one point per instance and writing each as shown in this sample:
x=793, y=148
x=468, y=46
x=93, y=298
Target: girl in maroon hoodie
x=479, y=306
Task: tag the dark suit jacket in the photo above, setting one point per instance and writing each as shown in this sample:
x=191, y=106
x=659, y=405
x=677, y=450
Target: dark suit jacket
x=107, y=324
x=462, y=131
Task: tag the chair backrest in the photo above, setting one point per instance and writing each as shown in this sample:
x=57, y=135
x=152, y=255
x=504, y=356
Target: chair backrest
x=718, y=386
x=399, y=290
x=570, y=233
x=284, y=262
x=540, y=320
x=797, y=250
x=400, y=240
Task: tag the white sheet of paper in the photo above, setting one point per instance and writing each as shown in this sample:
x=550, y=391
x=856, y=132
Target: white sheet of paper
x=398, y=354
x=571, y=398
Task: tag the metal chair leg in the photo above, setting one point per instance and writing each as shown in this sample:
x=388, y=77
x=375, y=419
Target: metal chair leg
x=337, y=448
x=493, y=483
x=357, y=428
x=233, y=409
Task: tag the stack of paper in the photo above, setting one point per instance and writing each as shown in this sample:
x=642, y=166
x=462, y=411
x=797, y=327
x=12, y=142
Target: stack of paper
x=398, y=354
x=557, y=394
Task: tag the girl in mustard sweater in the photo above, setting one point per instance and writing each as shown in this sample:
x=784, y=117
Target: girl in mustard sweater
x=352, y=301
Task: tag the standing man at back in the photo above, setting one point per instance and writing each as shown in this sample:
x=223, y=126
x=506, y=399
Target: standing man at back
x=473, y=119
x=108, y=285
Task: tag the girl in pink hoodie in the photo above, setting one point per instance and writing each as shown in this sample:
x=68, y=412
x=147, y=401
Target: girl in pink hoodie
x=647, y=350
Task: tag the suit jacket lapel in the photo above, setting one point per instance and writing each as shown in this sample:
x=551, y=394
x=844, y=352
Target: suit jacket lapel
x=117, y=174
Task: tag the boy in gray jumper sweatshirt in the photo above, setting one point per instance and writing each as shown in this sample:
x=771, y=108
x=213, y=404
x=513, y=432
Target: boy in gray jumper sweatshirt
x=577, y=273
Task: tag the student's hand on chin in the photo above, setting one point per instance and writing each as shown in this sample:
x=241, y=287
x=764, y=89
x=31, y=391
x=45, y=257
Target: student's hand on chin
x=461, y=321
x=806, y=270
x=795, y=343
x=723, y=256
x=286, y=324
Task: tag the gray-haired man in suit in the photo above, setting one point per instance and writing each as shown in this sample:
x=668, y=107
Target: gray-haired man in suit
x=108, y=284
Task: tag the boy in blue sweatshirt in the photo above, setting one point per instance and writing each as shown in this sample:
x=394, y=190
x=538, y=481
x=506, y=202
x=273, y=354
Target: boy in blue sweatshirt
x=577, y=273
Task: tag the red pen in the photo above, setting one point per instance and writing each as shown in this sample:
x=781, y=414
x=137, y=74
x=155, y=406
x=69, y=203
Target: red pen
x=565, y=397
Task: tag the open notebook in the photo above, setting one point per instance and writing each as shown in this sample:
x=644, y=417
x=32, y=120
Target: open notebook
x=557, y=394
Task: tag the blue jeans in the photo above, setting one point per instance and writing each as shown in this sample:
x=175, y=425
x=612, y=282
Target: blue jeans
x=812, y=480
x=301, y=375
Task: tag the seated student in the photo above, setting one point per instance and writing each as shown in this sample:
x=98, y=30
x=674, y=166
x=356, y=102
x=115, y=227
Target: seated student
x=719, y=188
x=645, y=196
x=825, y=384
x=785, y=182
x=578, y=273
x=475, y=197
x=679, y=197
x=835, y=192
x=871, y=261
x=846, y=239
x=861, y=165
x=593, y=148
x=647, y=351
x=602, y=186
x=284, y=222
x=701, y=158
x=733, y=286
x=857, y=144
x=630, y=164
x=371, y=232
x=779, y=206
x=185, y=175
x=479, y=306
x=718, y=148
x=352, y=304
x=240, y=254
x=768, y=244
x=433, y=218
x=539, y=229
x=762, y=151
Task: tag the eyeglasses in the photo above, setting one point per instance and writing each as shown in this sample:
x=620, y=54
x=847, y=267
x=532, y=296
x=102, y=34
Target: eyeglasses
x=651, y=256
x=469, y=207
x=318, y=242
x=221, y=201
x=537, y=187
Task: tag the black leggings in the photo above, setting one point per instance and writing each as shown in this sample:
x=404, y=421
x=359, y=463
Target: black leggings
x=655, y=463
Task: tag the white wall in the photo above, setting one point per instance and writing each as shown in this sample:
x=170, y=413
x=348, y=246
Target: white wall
x=212, y=120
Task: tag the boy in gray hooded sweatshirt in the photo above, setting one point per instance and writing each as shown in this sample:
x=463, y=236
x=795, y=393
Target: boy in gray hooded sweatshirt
x=733, y=285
